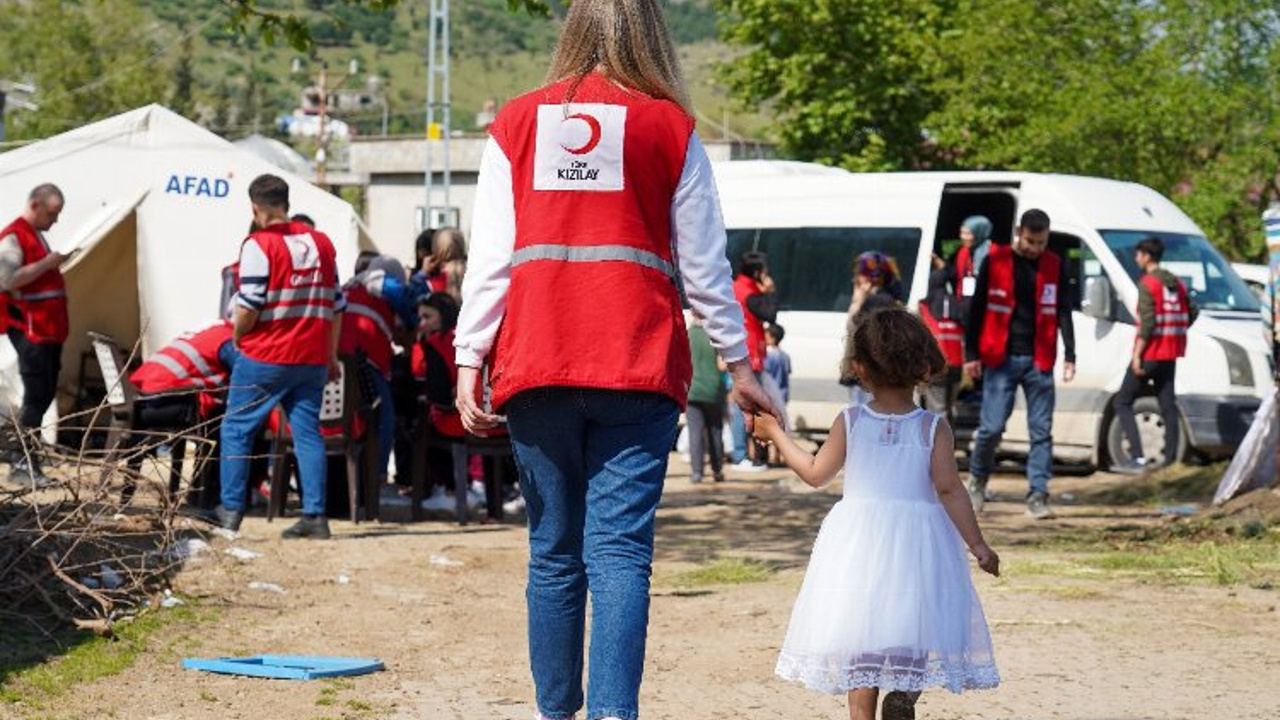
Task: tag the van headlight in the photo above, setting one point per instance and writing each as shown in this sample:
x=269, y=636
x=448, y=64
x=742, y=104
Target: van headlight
x=1238, y=367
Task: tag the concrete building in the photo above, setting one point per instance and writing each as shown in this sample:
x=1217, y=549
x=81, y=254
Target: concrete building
x=392, y=171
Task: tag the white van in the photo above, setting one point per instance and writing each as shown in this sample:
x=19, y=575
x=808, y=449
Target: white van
x=812, y=221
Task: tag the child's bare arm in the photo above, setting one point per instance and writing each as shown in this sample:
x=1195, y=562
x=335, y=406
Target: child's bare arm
x=815, y=470
x=946, y=481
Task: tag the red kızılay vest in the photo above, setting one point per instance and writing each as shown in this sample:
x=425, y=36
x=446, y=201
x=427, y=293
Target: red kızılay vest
x=593, y=300
x=42, y=303
x=744, y=286
x=1168, y=340
x=367, y=324
x=294, y=324
x=189, y=363
x=994, y=341
x=948, y=333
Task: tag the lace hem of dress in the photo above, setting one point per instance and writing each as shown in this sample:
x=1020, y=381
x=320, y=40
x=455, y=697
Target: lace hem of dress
x=954, y=676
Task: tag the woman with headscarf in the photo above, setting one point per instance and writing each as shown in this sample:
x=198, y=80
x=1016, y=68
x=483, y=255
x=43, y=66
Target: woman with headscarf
x=876, y=284
x=595, y=203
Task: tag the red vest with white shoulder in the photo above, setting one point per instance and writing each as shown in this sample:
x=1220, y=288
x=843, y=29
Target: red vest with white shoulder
x=994, y=341
x=189, y=363
x=293, y=326
x=367, y=324
x=42, y=303
x=1169, y=339
x=593, y=300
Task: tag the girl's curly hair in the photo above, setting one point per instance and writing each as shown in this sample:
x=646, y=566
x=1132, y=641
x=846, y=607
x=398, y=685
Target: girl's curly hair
x=894, y=348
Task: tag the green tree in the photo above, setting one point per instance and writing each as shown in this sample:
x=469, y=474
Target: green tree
x=1180, y=95
x=849, y=81
x=182, y=100
x=88, y=61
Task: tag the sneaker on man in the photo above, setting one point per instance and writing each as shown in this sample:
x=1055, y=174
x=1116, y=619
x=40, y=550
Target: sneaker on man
x=514, y=506
x=977, y=493
x=1038, y=506
x=24, y=473
x=1136, y=466
x=228, y=519
x=315, y=527
x=746, y=465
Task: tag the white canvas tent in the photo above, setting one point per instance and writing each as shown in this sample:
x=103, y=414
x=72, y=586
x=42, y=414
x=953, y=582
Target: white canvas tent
x=157, y=205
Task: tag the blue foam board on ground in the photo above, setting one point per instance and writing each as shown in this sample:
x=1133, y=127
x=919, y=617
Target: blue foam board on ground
x=286, y=667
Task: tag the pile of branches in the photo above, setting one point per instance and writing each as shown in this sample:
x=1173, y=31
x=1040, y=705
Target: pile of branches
x=73, y=551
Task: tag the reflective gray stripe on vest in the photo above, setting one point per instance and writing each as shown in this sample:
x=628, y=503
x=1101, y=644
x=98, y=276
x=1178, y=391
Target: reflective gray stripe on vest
x=193, y=355
x=594, y=253
x=181, y=373
x=46, y=295
x=1173, y=317
x=314, y=292
x=286, y=312
x=368, y=312
x=1169, y=330
x=1048, y=311
x=1002, y=309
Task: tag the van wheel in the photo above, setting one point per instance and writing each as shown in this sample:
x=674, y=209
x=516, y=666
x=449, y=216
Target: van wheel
x=1146, y=411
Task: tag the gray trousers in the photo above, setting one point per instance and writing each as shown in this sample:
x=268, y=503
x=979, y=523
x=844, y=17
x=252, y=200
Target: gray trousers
x=706, y=428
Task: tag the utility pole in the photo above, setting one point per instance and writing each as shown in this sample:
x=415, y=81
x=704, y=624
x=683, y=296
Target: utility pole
x=323, y=91
x=437, y=98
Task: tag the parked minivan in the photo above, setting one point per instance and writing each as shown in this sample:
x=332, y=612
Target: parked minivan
x=812, y=221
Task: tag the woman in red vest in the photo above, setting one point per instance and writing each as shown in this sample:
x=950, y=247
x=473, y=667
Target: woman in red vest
x=593, y=190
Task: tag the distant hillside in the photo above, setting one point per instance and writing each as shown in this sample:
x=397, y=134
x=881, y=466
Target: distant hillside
x=241, y=85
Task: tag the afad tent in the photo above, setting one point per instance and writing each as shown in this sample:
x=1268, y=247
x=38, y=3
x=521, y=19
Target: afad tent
x=157, y=205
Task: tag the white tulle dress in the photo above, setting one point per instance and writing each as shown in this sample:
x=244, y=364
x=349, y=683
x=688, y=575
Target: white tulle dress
x=887, y=601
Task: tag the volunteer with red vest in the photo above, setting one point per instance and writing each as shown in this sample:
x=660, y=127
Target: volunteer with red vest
x=593, y=192
x=946, y=308
x=1165, y=311
x=378, y=298
x=1012, y=341
x=37, y=320
x=287, y=332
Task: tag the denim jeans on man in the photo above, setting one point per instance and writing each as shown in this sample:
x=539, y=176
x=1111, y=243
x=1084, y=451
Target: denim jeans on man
x=386, y=422
x=256, y=389
x=999, y=386
x=592, y=464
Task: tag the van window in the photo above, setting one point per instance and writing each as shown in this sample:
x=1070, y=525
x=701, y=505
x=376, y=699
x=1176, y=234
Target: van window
x=813, y=267
x=1069, y=248
x=1209, y=279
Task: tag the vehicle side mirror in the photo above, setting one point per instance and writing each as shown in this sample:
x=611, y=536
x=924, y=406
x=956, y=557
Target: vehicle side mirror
x=1098, y=298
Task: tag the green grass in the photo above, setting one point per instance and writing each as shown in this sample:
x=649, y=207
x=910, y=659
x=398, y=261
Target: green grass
x=724, y=571
x=93, y=659
x=1173, y=485
x=1223, y=562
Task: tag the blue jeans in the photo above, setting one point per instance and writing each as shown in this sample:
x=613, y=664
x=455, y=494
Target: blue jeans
x=999, y=385
x=256, y=389
x=738, y=430
x=386, y=423
x=592, y=464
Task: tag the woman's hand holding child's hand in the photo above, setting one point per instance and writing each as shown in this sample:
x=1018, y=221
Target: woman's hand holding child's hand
x=988, y=560
x=766, y=427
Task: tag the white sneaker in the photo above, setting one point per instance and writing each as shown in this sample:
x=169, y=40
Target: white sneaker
x=439, y=500
x=745, y=465
x=514, y=507
x=475, y=494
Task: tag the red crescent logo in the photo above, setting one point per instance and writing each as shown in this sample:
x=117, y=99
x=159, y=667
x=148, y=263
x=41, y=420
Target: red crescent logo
x=591, y=144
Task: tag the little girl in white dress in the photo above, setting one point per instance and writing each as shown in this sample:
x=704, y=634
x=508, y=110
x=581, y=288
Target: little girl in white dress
x=887, y=602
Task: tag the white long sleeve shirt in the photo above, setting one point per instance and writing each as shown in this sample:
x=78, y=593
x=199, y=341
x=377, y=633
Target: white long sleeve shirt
x=697, y=233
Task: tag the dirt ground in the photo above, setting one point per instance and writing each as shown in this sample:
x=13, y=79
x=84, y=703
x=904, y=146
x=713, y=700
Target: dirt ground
x=443, y=608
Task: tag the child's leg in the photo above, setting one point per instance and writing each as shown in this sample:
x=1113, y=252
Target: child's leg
x=862, y=703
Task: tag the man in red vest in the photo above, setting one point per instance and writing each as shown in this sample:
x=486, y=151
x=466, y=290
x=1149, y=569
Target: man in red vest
x=287, y=319
x=1165, y=311
x=37, y=318
x=1011, y=341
